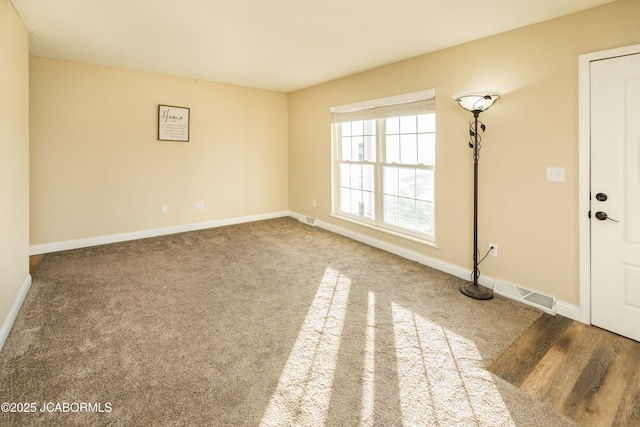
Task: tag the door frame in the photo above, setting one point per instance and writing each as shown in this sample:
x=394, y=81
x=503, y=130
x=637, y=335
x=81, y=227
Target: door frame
x=584, y=169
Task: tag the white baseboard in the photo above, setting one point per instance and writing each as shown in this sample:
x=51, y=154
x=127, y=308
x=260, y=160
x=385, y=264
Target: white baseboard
x=15, y=309
x=568, y=310
x=562, y=308
x=452, y=269
x=143, y=234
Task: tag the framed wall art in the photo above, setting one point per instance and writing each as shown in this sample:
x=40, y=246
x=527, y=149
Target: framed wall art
x=173, y=123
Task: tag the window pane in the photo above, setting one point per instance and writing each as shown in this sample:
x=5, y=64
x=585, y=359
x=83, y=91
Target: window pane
x=391, y=210
x=357, y=149
x=346, y=148
x=390, y=180
x=427, y=122
x=362, y=203
x=356, y=176
x=408, y=149
x=345, y=175
x=424, y=185
x=370, y=148
x=427, y=149
x=407, y=182
x=369, y=127
x=356, y=202
x=368, y=201
x=392, y=126
x=392, y=149
x=407, y=213
x=425, y=216
x=408, y=124
x=345, y=129
x=357, y=128
x=367, y=177
x=345, y=200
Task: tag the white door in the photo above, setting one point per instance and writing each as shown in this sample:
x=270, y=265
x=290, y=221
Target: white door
x=615, y=195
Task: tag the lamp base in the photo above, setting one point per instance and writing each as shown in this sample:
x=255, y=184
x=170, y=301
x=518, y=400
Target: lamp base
x=473, y=290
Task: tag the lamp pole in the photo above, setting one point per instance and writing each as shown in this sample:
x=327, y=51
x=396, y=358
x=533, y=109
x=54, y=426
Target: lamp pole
x=473, y=289
x=476, y=156
x=475, y=103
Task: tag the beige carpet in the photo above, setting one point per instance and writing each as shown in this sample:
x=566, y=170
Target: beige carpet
x=267, y=323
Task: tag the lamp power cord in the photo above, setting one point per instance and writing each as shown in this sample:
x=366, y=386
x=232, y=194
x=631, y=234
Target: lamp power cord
x=482, y=259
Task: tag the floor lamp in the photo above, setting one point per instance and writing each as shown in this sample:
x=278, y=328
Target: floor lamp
x=475, y=103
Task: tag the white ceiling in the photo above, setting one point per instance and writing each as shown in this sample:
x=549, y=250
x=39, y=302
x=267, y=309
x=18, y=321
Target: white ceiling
x=280, y=45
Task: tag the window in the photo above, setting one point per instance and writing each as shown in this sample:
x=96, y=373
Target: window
x=384, y=163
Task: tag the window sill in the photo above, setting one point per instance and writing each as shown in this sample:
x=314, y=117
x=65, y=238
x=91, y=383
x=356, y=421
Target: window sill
x=388, y=231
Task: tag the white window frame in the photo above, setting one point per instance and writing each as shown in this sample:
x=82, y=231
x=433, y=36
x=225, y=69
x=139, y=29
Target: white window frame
x=378, y=223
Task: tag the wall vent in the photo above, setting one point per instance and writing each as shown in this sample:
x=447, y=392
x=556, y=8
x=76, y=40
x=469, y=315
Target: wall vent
x=526, y=296
x=307, y=220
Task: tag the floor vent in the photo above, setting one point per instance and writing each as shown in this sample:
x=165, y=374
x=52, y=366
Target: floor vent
x=308, y=220
x=526, y=296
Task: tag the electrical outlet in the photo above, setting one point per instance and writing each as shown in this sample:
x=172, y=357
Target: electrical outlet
x=164, y=209
x=555, y=174
x=198, y=206
x=313, y=203
x=493, y=249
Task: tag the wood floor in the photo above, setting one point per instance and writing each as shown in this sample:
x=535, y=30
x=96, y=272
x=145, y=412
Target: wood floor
x=585, y=373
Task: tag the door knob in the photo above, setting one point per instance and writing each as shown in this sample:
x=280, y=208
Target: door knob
x=602, y=216
x=601, y=197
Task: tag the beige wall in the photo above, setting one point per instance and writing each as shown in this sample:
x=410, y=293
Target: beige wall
x=98, y=169
x=14, y=158
x=534, y=125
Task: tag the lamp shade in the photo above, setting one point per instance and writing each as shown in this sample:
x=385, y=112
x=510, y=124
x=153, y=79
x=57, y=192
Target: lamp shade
x=476, y=102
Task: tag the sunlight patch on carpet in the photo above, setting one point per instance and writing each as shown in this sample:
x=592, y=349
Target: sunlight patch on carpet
x=368, y=375
x=304, y=389
x=441, y=377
